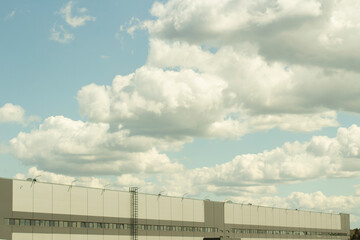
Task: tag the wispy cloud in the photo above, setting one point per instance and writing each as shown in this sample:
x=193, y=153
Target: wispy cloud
x=75, y=21
x=12, y=14
x=104, y=57
x=79, y=18
x=133, y=25
x=60, y=34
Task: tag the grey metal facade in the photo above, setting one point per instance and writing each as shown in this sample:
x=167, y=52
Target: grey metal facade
x=205, y=220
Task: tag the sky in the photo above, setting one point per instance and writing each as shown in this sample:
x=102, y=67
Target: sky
x=249, y=101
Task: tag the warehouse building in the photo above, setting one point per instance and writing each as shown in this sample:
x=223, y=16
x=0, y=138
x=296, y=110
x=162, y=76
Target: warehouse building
x=33, y=210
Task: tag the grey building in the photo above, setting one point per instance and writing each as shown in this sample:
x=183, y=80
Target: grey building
x=44, y=211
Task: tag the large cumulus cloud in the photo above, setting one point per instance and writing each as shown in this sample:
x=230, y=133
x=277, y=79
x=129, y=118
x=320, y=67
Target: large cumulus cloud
x=321, y=157
x=209, y=75
x=153, y=101
x=311, y=32
x=63, y=145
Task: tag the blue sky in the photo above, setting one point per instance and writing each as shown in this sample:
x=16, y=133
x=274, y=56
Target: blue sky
x=250, y=101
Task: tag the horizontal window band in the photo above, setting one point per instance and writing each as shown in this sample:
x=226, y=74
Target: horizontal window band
x=285, y=232
x=103, y=225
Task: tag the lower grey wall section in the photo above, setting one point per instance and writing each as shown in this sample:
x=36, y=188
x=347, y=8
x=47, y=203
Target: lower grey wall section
x=5, y=207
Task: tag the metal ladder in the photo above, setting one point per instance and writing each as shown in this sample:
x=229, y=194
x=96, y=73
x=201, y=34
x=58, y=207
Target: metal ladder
x=134, y=213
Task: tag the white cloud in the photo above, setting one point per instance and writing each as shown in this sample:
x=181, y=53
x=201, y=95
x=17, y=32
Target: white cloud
x=44, y=176
x=262, y=87
x=316, y=201
x=295, y=122
x=154, y=102
x=183, y=18
x=12, y=113
x=218, y=20
x=63, y=145
x=11, y=14
x=15, y=113
x=129, y=180
x=197, y=93
x=321, y=157
x=75, y=21
x=60, y=34
x=311, y=32
x=122, y=182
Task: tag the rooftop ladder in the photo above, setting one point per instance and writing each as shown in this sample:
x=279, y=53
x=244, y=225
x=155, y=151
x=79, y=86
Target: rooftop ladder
x=134, y=212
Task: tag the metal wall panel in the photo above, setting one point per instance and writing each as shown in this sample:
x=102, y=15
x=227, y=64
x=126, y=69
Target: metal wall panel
x=164, y=238
x=282, y=238
x=176, y=238
x=289, y=218
x=307, y=217
x=79, y=202
x=312, y=220
x=49, y=236
x=21, y=236
x=238, y=214
x=142, y=206
x=124, y=204
x=199, y=214
x=262, y=216
x=22, y=196
x=165, y=207
x=323, y=220
x=42, y=197
x=188, y=210
x=111, y=203
x=176, y=209
x=254, y=215
x=91, y=237
x=318, y=220
x=95, y=202
x=269, y=221
x=296, y=218
x=152, y=207
x=67, y=237
x=336, y=222
x=124, y=237
x=76, y=237
x=61, y=199
x=107, y=237
x=246, y=214
x=229, y=213
x=276, y=218
x=328, y=221
x=153, y=238
x=44, y=236
x=282, y=218
x=302, y=219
